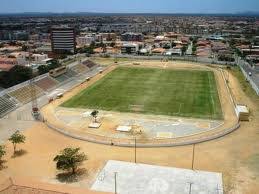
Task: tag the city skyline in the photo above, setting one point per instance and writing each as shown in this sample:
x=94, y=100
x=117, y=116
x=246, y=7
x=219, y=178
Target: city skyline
x=133, y=6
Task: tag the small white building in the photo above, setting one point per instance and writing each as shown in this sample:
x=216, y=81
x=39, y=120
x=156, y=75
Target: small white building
x=129, y=48
x=160, y=38
x=174, y=51
x=21, y=57
x=39, y=58
x=46, y=61
x=242, y=112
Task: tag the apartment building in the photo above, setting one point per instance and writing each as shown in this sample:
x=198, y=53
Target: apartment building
x=132, y=37
x=63, y=40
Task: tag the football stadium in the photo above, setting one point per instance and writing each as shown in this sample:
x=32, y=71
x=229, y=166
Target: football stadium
x=153, y=102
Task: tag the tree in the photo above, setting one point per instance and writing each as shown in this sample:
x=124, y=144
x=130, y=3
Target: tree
x=42, y=69
x=17, y=138
x=16, y=75
x=112, y=44
x=184, y=49
x=25, y=48
x=194, y=41
x=94, y=114
x=173, y=45
x=54, y=64
x=89, y=50
x=2, y=152
x=45, y=68
x=69, y=159
x=194, y=49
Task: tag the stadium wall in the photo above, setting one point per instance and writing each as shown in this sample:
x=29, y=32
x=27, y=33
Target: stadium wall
x=248, y=78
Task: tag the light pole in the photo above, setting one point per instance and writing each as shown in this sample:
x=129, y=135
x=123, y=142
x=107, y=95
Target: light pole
x=135, y=150
x=115, y=182
x=190, y=189
x=193, y=155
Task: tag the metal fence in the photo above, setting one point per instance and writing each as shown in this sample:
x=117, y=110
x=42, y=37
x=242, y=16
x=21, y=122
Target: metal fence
x=153, y=142
x=241, y=63
x=171, y=58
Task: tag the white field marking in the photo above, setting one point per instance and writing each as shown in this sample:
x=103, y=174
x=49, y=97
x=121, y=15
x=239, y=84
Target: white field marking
x=213, y=103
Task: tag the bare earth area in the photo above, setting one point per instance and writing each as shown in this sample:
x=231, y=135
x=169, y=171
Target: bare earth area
x=235, y=155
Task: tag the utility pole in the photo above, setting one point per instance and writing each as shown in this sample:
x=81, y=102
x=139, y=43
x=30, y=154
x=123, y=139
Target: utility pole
x=34, y=102
x=115, y=182
x=193, y=155
x=217, y=189
x=135, y=141
x=190, y=189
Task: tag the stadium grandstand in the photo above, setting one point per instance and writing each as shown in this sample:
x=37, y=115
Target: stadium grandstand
x=46, y=83
x=61, y=78
x=80, y=68
x=21, y=94
x=89, y=64
x=7, y=104
x=71, y=73
x=66, y=76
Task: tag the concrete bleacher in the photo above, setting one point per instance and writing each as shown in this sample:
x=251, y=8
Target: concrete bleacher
x=79, y=68
x=89, y=64
x=71, y=73
x=46, y=83
x=6, y=105
x=61, y=78
x=24, y=93
x=68, y=75
x=13, y=97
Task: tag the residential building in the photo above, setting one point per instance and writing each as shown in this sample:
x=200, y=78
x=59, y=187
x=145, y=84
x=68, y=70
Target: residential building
x=85, y=40
x=129, y=48
x=138, y=37
x=7, y=63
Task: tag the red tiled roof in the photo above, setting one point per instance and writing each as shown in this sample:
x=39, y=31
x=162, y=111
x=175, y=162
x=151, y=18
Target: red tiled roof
x=5, y=67
x=158, y=50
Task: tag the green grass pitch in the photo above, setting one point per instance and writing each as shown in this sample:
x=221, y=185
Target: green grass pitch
x=154, y=91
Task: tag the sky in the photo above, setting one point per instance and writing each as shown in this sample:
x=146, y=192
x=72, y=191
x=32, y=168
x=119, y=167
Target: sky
x=130, y=6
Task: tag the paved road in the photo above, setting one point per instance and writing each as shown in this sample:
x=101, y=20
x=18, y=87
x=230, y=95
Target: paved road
x=255, y=74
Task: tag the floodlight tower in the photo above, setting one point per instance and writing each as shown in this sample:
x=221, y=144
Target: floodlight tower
x=34, y=103
x=35, y=110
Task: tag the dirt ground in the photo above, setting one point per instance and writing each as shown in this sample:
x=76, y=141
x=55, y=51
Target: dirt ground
x=235, y=155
